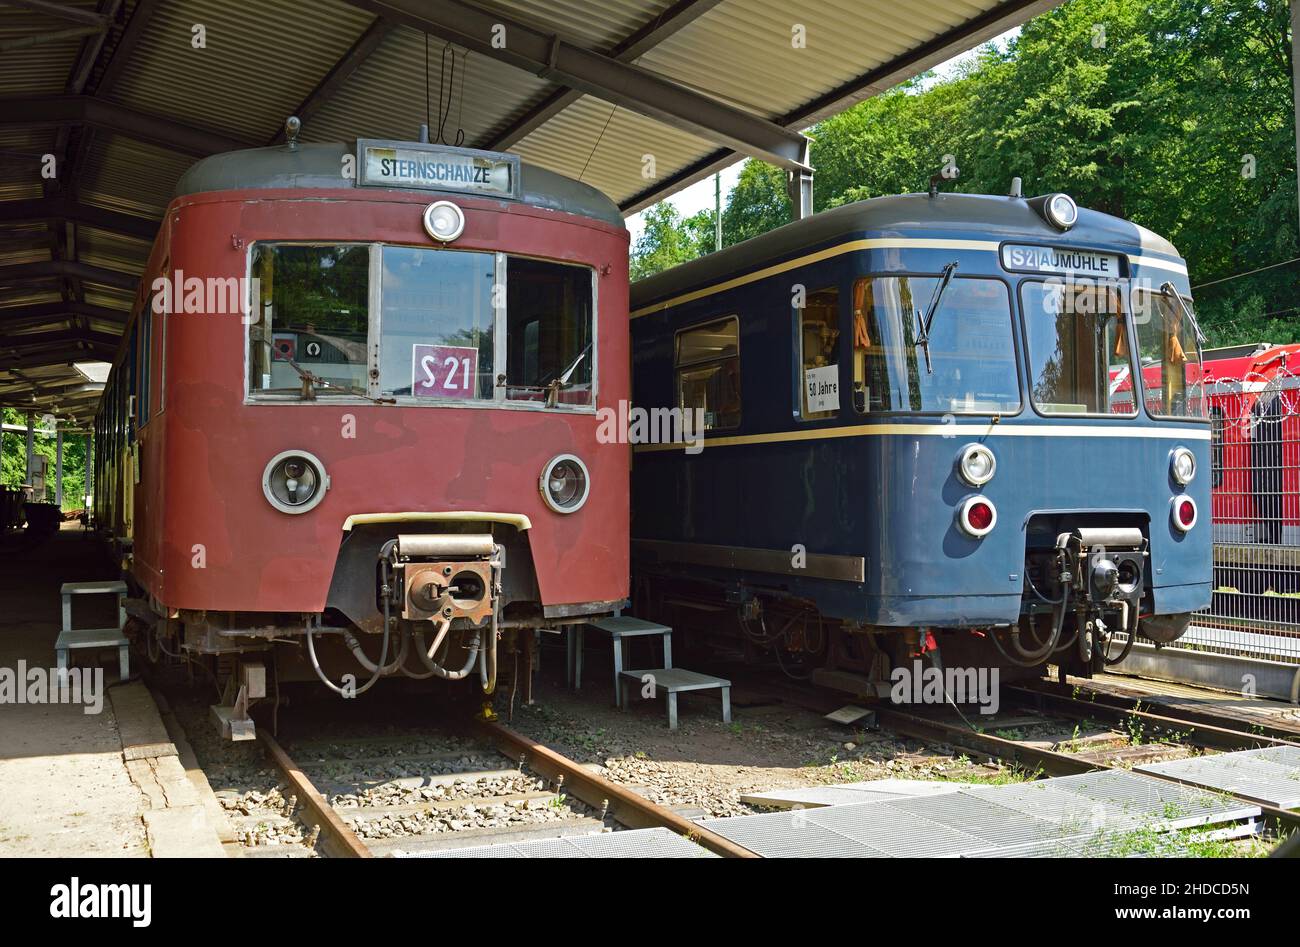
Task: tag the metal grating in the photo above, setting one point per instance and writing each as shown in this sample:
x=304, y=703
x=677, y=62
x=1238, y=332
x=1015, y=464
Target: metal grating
x=1088, y=814
x=1270, y=775
x=638, y=843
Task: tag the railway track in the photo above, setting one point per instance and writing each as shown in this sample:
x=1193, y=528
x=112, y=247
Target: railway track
x=491, y=785
x=1165, y=735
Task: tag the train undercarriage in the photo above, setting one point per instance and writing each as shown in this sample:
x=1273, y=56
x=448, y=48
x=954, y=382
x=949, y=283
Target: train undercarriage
x=439, y=608
x=1086, y=600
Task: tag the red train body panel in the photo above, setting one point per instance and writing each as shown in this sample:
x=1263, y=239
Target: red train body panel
x=449, y=458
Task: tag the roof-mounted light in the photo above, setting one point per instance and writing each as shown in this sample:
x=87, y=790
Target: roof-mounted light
x=1061, y=211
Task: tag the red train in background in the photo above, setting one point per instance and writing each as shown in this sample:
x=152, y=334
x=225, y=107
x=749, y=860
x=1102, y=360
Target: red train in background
x=1252, y=397
x=352, y=426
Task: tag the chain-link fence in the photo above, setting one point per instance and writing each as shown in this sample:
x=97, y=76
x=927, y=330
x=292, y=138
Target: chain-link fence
x=1255, y=471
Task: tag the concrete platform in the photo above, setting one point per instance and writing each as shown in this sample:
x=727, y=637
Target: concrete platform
x=90, y=771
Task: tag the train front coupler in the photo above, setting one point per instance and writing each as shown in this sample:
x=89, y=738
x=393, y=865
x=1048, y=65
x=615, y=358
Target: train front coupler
x=1103, y=571
x=441, y=578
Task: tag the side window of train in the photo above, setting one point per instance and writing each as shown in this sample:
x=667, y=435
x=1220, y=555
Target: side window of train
x=1216, y=446
x=818, y=340
x=707, y=363
x=144, y=361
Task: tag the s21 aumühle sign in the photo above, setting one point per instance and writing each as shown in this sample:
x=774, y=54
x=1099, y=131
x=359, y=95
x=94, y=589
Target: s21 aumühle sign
x=436, y=168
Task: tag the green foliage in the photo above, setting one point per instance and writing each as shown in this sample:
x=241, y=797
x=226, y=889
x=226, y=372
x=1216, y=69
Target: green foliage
x=670, y=239
x=1174, y=114
x=13, y=461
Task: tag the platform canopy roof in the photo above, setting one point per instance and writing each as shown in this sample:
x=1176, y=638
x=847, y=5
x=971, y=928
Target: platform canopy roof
x=127, y=94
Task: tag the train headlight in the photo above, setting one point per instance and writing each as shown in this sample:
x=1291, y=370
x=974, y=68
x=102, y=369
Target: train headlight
x=976, y=464
x=1061, y=211
x=444, y=221
x=295, y=481
x=977, y=516
x=1182, y=465
x=1183, y=513
x=565, y=484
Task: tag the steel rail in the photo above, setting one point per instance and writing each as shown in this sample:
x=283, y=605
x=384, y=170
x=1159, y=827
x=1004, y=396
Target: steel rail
x=1198, y=732
x=1183, y=715
x=595, y=790
x=318, y=813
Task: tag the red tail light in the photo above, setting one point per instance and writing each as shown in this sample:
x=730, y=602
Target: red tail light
x=1184, y=513
x=977, y=516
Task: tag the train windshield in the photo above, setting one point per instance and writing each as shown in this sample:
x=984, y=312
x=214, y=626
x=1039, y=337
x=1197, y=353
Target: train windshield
x=1079, y=352
x=312, y=317
x=1170, y=354
x=436, y=323
x=439, y=326
x=972, y=352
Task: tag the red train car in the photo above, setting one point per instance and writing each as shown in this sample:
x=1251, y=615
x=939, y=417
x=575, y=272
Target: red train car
x=355, y=410
x=1253, y=393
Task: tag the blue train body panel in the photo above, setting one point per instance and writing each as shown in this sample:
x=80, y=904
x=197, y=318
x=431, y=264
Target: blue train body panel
x=873, y=496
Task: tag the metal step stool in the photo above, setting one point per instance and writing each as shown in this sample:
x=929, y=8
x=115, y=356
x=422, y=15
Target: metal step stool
x=672, y=681
x=71, y=639
x=621, y=629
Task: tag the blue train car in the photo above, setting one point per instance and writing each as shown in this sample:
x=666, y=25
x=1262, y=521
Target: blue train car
x=963, y=424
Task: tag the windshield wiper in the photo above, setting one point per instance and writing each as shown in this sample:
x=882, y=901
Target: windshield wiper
x=924, y=320
x=310, y=381
x=1168, y=289
x=553, y=389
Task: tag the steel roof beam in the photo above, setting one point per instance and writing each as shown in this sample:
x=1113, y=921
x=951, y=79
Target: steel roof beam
x=340, y=72
x=62, y=11
x=83, y=351
x=626, y=85
x=44, y=111
x=56, y=208
x=681, y=14
x=67, y=269
x=62, y=310
x=61, y=337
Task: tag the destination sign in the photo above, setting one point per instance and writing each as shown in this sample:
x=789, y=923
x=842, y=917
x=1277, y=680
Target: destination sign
x=436, y=168
x=1031, y=259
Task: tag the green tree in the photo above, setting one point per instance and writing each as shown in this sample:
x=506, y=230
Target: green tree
x=669, y=240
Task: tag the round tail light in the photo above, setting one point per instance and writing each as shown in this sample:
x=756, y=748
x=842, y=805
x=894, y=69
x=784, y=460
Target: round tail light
x=1184, y=513
x=977, y=516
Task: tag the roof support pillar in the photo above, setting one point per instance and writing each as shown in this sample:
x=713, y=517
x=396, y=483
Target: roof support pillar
x=799, y=186
x=58, y=469
x=31, y=454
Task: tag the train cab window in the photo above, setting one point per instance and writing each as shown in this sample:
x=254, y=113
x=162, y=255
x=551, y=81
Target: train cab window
x=966, y=366
x=437, y=324
x=871, y=389
x=819, y=354
x=311, y=320
x=1079, y=352
x=708, y=372
x=1170, y=355
x=549, y=332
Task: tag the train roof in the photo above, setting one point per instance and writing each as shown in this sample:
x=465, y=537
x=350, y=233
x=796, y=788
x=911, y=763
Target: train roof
x=962, y=215
x=316, y=166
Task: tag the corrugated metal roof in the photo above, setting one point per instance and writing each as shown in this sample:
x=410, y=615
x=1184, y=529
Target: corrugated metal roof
x=159, y=99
